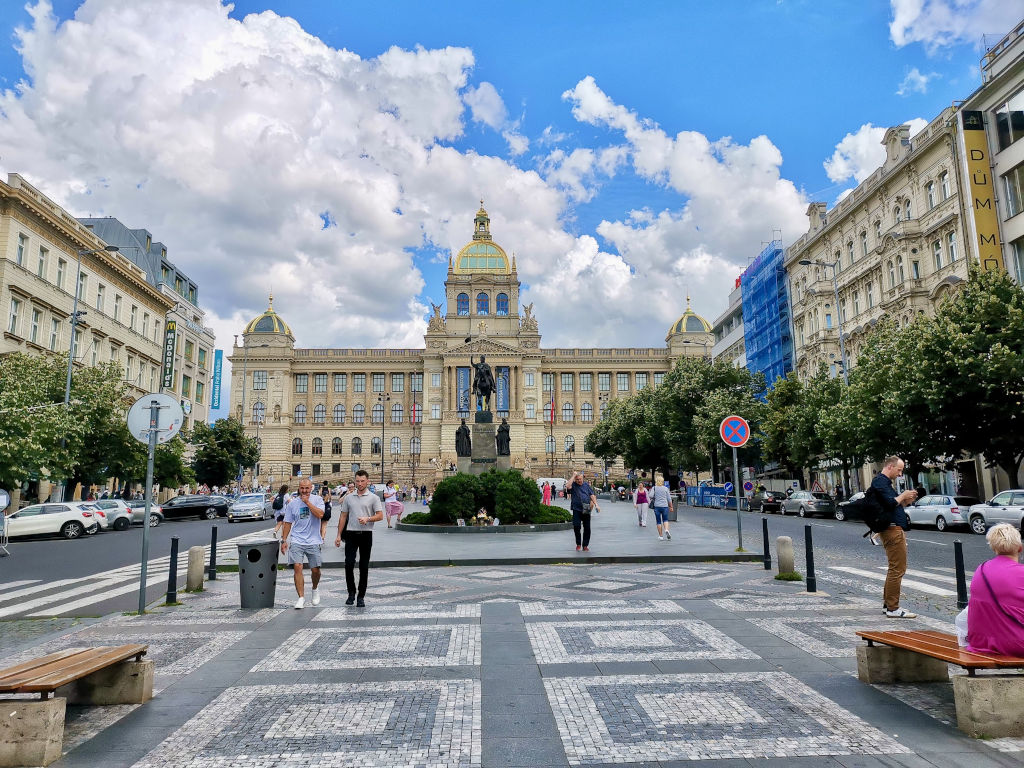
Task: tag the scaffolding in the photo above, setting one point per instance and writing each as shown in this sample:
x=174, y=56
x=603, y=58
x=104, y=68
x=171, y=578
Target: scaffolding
x=767, y=331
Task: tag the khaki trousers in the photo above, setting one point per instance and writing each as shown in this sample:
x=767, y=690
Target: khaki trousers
x=895, y=543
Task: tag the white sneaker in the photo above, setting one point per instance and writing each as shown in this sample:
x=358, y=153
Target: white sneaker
x=901, y=613
x=300, y=603
x=316, y=597
x=661, y=538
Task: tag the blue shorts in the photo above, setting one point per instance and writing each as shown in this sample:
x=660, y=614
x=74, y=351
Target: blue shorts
x=661, y=515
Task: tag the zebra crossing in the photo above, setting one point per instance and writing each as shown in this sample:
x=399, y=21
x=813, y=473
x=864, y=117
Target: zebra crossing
x=929, y=580
x=35, y=598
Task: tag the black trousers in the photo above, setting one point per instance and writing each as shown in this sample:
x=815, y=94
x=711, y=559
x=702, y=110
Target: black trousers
x=362, y=542
x=578, y=519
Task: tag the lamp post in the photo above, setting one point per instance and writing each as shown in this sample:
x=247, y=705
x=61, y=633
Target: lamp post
x=602, y=404
x=413, y=455
x=245, y=363
x=834, y=266
x=382, y=399
x=551, y=433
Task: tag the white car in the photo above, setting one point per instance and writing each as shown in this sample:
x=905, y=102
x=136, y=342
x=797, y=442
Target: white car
x=250, y=506
x=70, y=519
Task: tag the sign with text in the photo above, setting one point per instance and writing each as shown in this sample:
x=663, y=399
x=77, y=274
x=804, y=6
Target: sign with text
x=501, y=374
x=462, y=387
x=170, y=335
x=218, y=367
x=982, y=196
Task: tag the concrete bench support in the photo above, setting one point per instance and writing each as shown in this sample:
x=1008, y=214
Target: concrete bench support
x=130, y=682
x=885, y=664
x=31, y=732
x=989, y=706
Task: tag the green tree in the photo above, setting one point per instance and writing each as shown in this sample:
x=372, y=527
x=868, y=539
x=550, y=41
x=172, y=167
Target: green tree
x=169, y=467
x=220, y=450
x=100, y=401
x=779, y=431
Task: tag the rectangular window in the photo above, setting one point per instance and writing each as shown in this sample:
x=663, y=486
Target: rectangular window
x=435, y=380
x=915, y=269
x=82, y=280
x=586, y=382
x=547, y=382
x=341, y=382
x=530, y=410
x=302, y=382
x=259, y=380
x=567, y=382
x=604, y=382
x=398, y=382
x=944, y=181
x=937, y=254
x=62, y=267
x=1013, y=186
x=134, y=317
x=658, y=378
x=1010, y=121
x=145, y=332
x=186, y=386
x=41, y=264
x=19, y=255
x=152, y=378
x=358, y=382
x=54, y=335
x=951, y=246
x=12, y=320
x=623, y=382
x=641, y=381
x=117, y=308
x=199, y=391
x=76, y=344
x=378, y=382
x=849, y=251
x=864, y=239
x=202, y=358
x=33, y=335
x=856, y=303
x=931, y=194
x=871, y=295
x=828, y=319
x=94, y=351
x=529, y=380
x=319, y=382
x=435, y=411
x=415, y=382
x=101, y=291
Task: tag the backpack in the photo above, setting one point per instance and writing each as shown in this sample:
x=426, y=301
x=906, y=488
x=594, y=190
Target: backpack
x=870, y=511
x=278, y=503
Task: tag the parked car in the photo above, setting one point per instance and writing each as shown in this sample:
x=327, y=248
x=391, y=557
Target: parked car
x=69, y=519
x=809, y=504
x=940, y=510
x=251, y=506
x=188, y=505
x=117, y=511
x=767, y=501
x=1004, y=507
x=138, y=508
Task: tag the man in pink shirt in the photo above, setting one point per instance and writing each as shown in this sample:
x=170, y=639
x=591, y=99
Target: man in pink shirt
x=995, y=612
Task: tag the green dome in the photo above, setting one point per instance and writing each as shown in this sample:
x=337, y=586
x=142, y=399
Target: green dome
x=269, y=322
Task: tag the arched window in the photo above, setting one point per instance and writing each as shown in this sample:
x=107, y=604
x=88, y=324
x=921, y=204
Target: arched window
x=319, y=414
x=297, y=446
x=377, y=414
x=838, y=261
x=318, y=446
x=336, y=447
x=462, y=304
x=482, y=303
x=567, y=412
x=586, y=412
x=375, y=445
x=899, y=267
x=414, y=446
x=549, y=444
x=358, y=414
x=907, y=209
x=501, y=305
x=357, y=446
x=339, y=414
x=259, y=412
x=396, y=413
x=944, y=181
x=300, y=414
x=396, y=445
x=570, y=443
x=849, y=251
x=604, y=407
x=897, y=215
x=931, y=194
x=892, y=275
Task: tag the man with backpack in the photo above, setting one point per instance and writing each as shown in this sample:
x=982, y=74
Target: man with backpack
x=893, y=538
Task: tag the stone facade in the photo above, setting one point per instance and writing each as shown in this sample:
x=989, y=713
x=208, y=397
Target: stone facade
x=329, y=395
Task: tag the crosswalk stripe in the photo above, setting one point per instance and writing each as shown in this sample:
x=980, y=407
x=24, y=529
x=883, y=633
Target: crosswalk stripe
x=920, y=586
x=13, y=584
x=41, y=601
x=99, y=598
x=8, y=596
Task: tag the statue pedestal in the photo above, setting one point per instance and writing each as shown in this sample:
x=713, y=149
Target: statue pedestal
x=484, y=452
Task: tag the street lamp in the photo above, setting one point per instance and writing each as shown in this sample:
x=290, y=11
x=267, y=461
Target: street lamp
x=602, y=404
x=382, y=399
x=413, y=455
x=834, y=266
x=241, y=419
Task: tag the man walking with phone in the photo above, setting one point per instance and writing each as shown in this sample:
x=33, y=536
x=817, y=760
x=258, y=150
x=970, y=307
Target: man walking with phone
x=300, y=538
x=893, y=538
x=359, y=510
x=581, y=501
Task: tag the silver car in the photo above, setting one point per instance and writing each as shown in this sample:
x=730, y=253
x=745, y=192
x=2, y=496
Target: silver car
x=1004, y=507
x=940, y=510
x=250, y=506
x=809, y=504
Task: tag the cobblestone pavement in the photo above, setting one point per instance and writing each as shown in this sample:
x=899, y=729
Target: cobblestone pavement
x=531, y=666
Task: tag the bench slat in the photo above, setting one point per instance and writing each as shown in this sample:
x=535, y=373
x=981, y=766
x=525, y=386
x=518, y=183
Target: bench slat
x=74, y=667
x=943, y=646
x=32, y=665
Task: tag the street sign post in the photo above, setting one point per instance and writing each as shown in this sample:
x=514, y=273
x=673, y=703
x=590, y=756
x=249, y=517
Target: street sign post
x=5, y=502
x=144, y=420
x=735, y=431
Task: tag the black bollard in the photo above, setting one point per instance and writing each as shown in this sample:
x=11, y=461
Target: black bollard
x=812, y=583
x=961, y=577
x=211, y=572
x=767, y=548
x=172, y=573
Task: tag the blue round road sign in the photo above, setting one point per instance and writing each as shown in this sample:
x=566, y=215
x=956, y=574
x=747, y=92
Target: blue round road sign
x=728, y=488
x=734, y=431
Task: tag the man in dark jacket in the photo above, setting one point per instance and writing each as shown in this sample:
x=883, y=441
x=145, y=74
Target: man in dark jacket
x=893, y=537
x=581, y=500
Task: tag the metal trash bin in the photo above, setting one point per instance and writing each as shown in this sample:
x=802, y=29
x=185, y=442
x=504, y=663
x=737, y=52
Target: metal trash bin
x=257, y=573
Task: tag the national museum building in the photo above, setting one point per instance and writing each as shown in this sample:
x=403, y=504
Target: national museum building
x=327, y=412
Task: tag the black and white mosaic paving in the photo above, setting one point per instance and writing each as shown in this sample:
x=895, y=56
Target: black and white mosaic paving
x=836, y=636
x=418, y=611
x=802, y=601
x=408, y=724
x=583, y=607
x=434, y=645
x=603, y=586
x=595, y=641
x=197, y=617
x=647, y=718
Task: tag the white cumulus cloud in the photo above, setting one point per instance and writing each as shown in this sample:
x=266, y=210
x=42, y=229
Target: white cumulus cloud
x=861, y=152
x=942, y=23
x=915, y=82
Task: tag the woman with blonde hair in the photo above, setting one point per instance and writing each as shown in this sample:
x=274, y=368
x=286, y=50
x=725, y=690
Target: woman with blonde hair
x=995, y=611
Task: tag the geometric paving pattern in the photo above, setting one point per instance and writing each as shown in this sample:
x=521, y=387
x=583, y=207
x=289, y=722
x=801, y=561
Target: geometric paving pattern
x=741, y=603
x=835, y=636
x=408, y=723
x=576, y=607
x=418, y=611
x=434, y=645
x=594, y=641
x=603, y=586
x=214, y=616
x=646, y=718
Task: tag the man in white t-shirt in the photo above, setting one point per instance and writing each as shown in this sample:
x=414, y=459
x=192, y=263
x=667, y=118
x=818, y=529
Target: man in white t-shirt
x=358, y=512
x=300, y=538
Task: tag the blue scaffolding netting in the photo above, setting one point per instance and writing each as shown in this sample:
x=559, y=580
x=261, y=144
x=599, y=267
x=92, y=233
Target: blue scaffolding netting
x=766, y=318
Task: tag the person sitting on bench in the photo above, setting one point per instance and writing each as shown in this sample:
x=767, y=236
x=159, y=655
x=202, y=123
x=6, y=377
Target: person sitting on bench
x=995, y=611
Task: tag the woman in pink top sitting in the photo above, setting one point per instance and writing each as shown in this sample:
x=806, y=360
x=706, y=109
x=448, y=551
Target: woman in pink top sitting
x=995, y=612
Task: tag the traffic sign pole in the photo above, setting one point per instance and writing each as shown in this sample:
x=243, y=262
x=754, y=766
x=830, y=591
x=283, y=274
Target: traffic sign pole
x=154, y=424
x=735, y=431
x=736, y=487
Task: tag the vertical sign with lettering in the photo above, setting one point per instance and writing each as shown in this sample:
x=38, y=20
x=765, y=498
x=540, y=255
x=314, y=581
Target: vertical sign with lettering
x=981, y=192
x=462, y=387
x=170, y=334
x=501, y=374
x=218, y=367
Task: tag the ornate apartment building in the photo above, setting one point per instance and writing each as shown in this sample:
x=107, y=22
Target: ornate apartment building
x=896, y=245
x=327, y=412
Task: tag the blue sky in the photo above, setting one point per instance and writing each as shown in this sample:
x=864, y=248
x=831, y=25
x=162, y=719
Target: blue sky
x=144, y=110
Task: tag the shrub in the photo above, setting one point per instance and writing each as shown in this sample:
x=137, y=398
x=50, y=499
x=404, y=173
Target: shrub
x=547, y=515
x=454, y=497
x=517, y=499
x=506, y=495
x=417, y=518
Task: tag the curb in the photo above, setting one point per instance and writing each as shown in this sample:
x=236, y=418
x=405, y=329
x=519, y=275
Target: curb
x=571, y=558
x=535, y=528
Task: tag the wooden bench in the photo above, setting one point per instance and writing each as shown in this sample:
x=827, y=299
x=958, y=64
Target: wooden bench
x=32, y=731
x=986, y=705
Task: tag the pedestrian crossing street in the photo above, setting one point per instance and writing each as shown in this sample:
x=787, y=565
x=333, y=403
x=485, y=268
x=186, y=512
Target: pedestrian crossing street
x=35, y=598
x=940, y=582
